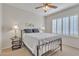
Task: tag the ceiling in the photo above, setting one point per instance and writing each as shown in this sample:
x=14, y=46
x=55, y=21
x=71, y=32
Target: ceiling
x=31, y=7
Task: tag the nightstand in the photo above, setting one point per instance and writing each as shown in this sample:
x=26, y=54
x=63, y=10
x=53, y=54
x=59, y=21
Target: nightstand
x=16, y=42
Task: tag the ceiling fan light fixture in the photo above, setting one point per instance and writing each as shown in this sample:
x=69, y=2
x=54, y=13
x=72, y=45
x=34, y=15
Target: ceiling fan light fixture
x=45, y=8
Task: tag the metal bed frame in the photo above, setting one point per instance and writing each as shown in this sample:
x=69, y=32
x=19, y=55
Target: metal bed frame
x=45, y=44
x=52, y=42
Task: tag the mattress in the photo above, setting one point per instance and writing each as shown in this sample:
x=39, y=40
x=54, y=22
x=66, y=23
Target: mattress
x=31, y=39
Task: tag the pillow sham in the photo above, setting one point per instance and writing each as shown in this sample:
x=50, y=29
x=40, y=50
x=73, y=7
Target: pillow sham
x=28, y=31
x=35, y=30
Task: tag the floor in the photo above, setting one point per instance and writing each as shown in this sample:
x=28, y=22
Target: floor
x=67, y=51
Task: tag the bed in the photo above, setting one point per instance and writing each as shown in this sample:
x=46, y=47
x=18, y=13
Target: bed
x=41, y=43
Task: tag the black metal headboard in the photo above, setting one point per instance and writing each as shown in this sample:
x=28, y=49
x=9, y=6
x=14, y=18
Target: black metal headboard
x=35, y=30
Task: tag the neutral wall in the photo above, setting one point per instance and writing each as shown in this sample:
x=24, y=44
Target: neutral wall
x=67, y=12
x=0, y=24
x=11, y=16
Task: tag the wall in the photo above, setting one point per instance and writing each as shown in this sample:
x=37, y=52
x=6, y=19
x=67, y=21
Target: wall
x=0, y=24
x=67, y=12
x=11, y=16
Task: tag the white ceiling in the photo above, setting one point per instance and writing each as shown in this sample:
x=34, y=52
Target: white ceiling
x=31, y=7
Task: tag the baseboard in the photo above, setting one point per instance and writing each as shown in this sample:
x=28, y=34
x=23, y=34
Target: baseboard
x=71, y=46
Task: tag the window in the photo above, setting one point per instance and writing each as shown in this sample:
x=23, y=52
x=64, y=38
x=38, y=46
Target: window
x=66, y=25
x=73, y=25
x=54, y=26
x=59, y=26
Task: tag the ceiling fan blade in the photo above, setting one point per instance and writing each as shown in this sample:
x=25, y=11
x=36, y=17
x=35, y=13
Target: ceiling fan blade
x=39, y=7
x=52, y=6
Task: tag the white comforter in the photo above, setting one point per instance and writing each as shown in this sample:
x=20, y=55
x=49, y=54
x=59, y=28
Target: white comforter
x=31, y=39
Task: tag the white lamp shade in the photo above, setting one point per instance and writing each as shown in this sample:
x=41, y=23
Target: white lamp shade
x=16, y=27
x=43, y=28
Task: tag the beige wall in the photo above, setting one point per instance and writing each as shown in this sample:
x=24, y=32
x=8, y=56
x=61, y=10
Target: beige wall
x=67, y=12
x=0, y=24
x=11, y=16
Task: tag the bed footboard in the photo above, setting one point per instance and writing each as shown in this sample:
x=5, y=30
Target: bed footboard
x=48, y=46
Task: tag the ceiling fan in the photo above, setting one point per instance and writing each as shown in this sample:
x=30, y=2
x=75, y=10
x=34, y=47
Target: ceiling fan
x=46, y=6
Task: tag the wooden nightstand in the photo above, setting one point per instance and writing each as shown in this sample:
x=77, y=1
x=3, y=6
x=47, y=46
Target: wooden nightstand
x=16, y=42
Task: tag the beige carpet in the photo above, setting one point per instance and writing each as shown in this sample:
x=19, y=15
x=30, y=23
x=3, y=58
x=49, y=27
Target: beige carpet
x=67, y=51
